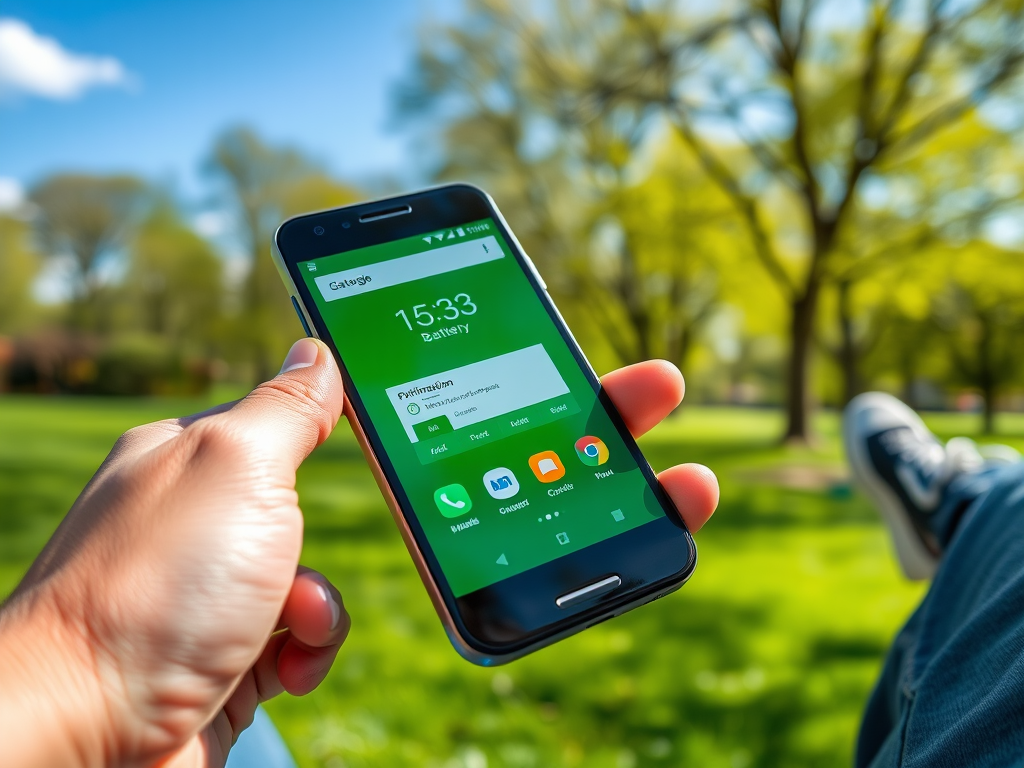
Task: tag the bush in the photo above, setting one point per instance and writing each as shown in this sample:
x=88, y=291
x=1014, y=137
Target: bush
x=146, y=365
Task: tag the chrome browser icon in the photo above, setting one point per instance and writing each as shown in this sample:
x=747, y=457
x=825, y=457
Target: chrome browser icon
x=592, y=451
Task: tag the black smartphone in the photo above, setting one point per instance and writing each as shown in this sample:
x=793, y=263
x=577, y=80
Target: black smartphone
x=526, y=504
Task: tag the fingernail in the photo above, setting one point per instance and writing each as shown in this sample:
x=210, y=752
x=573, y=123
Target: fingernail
x=303, y=354
x=329, y=599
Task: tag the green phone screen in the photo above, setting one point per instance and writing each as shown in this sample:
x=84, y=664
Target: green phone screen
x=500, y=443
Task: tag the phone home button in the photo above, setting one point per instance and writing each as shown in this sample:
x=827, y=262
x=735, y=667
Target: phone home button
x=606, y=584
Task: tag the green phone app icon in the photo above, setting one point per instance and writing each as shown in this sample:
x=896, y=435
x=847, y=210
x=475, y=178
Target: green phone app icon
x=452, y=500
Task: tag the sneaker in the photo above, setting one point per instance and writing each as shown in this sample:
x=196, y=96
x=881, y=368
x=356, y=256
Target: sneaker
x=904, y=469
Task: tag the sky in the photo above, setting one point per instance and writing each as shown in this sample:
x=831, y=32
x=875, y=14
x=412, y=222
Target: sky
x=144, y=86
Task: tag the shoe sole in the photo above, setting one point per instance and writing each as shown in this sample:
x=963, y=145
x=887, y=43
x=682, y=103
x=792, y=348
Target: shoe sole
x=916, y=560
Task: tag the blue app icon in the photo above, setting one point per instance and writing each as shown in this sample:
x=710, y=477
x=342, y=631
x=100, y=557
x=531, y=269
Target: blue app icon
x=501, y=483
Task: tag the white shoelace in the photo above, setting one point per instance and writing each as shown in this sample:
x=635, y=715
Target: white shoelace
x=936, y=462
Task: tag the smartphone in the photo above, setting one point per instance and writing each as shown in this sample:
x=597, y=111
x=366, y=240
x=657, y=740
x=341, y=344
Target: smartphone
x=526, y=504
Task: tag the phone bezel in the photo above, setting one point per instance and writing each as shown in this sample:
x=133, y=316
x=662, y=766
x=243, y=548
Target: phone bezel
x=474, y=616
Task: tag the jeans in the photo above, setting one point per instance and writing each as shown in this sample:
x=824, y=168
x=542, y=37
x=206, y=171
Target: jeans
x=951, y=692
x=260, y=746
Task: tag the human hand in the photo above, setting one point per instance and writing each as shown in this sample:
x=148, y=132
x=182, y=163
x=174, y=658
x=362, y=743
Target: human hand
x=145, y=631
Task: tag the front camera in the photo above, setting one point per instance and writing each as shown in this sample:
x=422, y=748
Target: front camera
x=345, y=225
x=318, y=230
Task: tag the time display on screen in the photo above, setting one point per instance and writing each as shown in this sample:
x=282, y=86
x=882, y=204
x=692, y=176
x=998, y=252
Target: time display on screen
x=425, y=315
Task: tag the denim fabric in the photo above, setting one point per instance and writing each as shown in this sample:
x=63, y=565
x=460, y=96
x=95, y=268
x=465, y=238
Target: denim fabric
x=260, y=746
x=951, y=693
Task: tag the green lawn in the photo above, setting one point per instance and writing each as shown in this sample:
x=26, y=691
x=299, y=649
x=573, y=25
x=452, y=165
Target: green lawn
x=764, y=659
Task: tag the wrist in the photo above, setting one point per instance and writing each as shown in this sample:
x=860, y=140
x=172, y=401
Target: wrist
x=52, y=710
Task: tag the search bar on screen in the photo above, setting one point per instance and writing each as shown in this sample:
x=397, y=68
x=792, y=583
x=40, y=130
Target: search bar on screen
x=384, y=274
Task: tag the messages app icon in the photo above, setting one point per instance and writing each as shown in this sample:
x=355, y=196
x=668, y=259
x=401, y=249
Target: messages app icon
x=547, y=466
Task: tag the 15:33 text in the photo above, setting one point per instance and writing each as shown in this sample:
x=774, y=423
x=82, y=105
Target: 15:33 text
x=425, y=315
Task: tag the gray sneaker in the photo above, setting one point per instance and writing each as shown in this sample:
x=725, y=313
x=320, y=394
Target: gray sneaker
x=904, y=469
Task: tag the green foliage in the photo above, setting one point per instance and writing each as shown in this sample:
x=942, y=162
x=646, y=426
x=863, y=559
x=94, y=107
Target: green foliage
x=653, y=271
x=163, y=322
x=264, y=185
x=19, y=264
x=152, y=307
x=980, y=313
x=87, y=218
x=145, y=365
x=764, y=659
x=835, y=147
x=174, y=287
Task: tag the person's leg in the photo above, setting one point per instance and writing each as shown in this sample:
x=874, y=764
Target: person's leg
x=952, y=689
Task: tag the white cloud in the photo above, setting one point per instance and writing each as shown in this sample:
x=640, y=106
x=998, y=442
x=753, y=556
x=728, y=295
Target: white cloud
x=12, y=196
x=37, y=65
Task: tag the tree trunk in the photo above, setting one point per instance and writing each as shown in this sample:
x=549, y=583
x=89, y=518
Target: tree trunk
x=798, y=391
x=683, y=347
x=908, y=376
x=848, y=352
x=989, y=413
x=987, y=376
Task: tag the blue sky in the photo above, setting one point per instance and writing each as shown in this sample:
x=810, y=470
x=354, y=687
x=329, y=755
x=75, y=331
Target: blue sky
x=168, y=76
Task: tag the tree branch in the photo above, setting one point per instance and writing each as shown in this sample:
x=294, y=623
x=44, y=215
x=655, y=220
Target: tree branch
x=914, y=66
x=762, y=152
x=943, y=116
x=599, y=309
x=744, y=204
x=801, y=28
x=786, y=62
x=869, y=86
x=865, y=265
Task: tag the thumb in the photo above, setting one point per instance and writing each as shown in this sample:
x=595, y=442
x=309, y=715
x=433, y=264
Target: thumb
x=294, y=412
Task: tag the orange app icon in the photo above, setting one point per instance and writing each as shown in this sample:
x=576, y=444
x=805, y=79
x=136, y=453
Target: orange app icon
x=547, y=466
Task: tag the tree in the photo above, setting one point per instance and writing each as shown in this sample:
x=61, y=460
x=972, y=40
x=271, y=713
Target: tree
x=87, y=218
x=981, y=316
x=948, y=192
x=469, y=91
x=852, y=101
x=881, y=324
x=630, y=250
x=19, y=265
x=650, y=275
x=265, y=185
x=789, y=109
x=174, y=286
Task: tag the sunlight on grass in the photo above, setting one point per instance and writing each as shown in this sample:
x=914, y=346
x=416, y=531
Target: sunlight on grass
x=764, y=659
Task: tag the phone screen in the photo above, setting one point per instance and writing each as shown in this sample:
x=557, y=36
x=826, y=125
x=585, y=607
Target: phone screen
x=499, y=440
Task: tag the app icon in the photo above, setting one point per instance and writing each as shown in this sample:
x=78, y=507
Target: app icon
x=563, y=538
x=592, y=451
x=452, y=500
x=547, y=466
x=501, y=483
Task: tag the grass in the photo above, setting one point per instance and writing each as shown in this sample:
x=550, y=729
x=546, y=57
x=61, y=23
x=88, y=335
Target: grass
x=764, y=659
